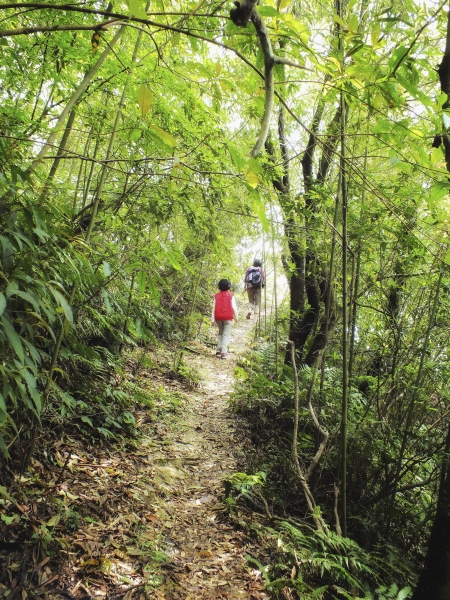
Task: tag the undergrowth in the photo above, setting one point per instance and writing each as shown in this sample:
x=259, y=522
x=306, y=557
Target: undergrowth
x=313, y=565
x=309, y=563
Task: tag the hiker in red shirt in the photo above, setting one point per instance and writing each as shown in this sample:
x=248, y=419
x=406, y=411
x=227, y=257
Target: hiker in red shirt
x=254, y=280
x=223, y=314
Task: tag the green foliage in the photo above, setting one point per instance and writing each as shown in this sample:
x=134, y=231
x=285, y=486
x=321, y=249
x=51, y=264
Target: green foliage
x=303, y=560
x=245, y=485
x=188, y=374
x=72, y=519
x=105, y=231
x=390, y=592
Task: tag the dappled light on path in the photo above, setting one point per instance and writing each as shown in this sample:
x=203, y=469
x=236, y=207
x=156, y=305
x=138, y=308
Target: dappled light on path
x=207, y=556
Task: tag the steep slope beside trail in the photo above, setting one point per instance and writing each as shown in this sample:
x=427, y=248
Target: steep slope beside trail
x=208, y=555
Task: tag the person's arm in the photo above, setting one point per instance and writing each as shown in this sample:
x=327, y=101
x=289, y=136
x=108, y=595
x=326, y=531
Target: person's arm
x=245, y=278
x=213, y=320
x=234, y=307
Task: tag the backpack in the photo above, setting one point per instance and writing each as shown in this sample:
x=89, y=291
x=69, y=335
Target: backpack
x=223, y=310
x=254, y=277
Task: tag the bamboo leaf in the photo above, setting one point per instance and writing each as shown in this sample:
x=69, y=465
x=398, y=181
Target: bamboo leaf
x=338, y=19
x=438, y=191
x=62, y=302
x=31, y=384
x=164, y=136
x=353, y=23
x=13, y=337
x=106, y=269
x=144, y=99
x=28, y=297
x=106, y=300
x=375, y=34
x=268, y=11
x=252, y=179
x=142, y=281
x=4, y=447
x=136, y=9
x=238, y=159
x=3, y=404
x=2, y=303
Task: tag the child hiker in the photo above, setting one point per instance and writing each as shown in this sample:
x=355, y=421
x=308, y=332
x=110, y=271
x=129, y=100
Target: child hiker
x=223, y=314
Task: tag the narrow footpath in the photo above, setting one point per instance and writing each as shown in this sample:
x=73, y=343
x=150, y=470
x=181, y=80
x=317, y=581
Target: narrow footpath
x=207, y=555
x=139, y=521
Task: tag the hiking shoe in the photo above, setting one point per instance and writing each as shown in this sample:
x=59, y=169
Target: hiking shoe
x=223, y=355
x=218, y=351
x=249, y=315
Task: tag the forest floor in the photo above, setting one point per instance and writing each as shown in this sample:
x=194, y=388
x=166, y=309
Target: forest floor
x=146, y=521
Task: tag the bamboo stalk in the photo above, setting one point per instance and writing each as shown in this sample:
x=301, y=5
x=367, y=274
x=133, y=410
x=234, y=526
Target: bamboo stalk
x=275, y=298
x=344, y=407
x=75, y=97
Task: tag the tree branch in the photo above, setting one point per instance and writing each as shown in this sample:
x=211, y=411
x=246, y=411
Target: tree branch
x=49, y=28
x=318, y=521
x=267, y=51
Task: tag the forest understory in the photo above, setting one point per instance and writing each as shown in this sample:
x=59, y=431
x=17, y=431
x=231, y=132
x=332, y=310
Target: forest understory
x=145, y=519
x=149, y=149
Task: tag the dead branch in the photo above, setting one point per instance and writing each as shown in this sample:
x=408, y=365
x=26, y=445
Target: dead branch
x=336, y=511
x=318, y=521
x=318, y=426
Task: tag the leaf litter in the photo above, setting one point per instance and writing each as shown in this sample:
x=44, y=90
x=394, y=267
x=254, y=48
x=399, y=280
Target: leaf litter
x=135, y=522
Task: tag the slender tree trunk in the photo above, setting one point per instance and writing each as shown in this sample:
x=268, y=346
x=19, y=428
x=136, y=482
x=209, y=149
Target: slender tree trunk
x=328, y=302
x=318, y=521
x=130, y=299
x=344, y=411
x=275, y=296
x=187, y=326
x=354, y=311
x=62, y=146
x=79, y=177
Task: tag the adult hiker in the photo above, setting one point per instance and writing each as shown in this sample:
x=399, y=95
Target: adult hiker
x=254, y=280
x=223, y=314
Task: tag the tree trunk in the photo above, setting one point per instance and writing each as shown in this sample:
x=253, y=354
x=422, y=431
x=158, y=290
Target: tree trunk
x=434, y=580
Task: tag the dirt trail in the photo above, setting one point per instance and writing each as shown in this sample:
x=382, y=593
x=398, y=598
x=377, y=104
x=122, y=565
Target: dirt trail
x=133, y=523
x=206, y=553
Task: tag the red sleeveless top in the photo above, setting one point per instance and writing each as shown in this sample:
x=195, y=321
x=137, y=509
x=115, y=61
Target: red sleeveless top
x=223, y=310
